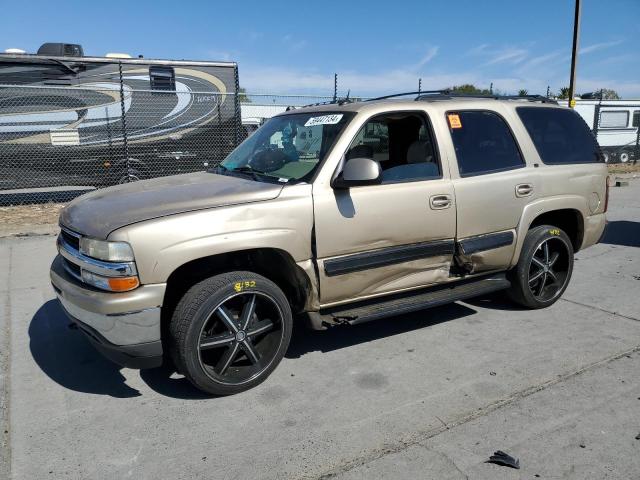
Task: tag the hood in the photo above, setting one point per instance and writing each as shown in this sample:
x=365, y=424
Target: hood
x=99, y=213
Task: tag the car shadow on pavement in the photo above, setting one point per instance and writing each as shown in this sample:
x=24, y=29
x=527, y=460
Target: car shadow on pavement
x=495, y=301
x=68, y=358
x=343, y=336
x=622, y=232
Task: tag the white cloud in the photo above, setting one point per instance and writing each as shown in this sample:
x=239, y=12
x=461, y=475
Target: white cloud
x=507, y=55
x=598, y=46
x=497, y=55
x=541, y=61
x=431, y=53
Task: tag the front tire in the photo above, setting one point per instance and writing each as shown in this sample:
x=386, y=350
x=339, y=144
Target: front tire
x=544, y=268
x=230, y=331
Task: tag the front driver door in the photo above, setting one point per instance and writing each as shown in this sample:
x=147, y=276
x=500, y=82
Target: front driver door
x=399, y=235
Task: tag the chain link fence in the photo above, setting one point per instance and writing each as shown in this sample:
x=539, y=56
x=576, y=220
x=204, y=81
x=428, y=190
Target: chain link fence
x=59, y=142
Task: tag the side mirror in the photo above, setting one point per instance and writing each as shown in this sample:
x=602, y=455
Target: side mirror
x=359, y=171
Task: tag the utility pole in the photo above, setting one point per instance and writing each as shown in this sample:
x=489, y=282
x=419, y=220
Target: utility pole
x=574, y=54
x=419, y=85
x=335, y=87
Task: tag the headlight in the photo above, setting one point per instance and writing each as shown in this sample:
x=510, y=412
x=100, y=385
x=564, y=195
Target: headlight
x=107, y=251
x=112, y=284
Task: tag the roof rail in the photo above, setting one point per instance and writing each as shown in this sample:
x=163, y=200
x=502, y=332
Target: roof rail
x=422, y=92
x=447, y=94
x=335, y=101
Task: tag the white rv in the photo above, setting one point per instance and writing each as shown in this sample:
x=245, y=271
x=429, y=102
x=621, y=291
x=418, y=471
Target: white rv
x=615, y=123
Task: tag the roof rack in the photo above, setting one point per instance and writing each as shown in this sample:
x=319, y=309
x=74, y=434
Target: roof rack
x=335, y=101
x=448, y=94
x=422, y=92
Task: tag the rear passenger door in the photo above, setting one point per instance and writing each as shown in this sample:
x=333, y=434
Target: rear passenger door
x=492, y=185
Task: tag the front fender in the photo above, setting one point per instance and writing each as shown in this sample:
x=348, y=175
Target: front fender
x=162, y=245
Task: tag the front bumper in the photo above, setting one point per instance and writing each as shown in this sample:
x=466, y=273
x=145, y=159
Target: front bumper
x=125, y=327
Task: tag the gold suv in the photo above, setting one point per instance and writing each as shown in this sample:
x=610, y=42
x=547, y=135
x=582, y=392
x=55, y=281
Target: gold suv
x=338, y=213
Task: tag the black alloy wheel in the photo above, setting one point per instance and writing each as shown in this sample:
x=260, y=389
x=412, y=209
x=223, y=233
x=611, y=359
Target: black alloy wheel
x=548, y=269
x=230, y=331
x=544, y=267
x=240, y=338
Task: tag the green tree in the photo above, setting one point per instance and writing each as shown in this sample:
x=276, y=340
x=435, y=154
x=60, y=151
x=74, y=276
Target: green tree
x=608, y=94
x=242, y=95
x=523, y=92
x=469, y=89
x=564, y=93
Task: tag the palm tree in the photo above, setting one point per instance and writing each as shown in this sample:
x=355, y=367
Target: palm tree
x=523, y=92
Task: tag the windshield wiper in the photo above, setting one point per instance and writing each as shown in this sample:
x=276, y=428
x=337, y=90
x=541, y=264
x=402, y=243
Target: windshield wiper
x=248, y=169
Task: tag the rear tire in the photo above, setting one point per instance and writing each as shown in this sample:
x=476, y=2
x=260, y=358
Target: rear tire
x=230, y=331
x=544, y=268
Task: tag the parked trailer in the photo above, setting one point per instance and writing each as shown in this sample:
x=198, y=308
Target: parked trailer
x=67, y=119
x=615, y=123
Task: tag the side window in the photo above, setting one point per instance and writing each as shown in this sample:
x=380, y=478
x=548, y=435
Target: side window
x=372, y=141
x=636, y=119
x=403, y=143
x=560, y=135
x=162, y=78
x=614, y=119
x=483, y=143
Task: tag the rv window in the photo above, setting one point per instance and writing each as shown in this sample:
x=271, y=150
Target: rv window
x=636, y=119
x=71, y=50
x=162, y=78
x=614, y=119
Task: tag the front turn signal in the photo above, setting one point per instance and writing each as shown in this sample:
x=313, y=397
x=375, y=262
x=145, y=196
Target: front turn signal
x=123, y=284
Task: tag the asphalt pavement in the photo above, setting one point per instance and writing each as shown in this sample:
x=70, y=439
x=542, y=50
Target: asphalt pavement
x=427, y=395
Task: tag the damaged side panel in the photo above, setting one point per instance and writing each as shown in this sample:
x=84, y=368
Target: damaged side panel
x=484, y=253
x=373, y=282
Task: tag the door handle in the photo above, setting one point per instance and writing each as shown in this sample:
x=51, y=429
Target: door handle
x=524, y=190
x=439, y=202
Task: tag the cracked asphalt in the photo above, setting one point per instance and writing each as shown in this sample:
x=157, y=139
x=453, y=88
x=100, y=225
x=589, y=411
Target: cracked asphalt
x=427, y=395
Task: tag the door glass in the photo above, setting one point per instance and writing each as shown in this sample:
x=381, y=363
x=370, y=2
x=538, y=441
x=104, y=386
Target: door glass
x=403, y=145
x=483, y=143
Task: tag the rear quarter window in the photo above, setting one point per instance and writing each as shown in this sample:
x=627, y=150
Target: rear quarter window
x=560, y=135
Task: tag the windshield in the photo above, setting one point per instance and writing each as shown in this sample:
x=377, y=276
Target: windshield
x=287, y=148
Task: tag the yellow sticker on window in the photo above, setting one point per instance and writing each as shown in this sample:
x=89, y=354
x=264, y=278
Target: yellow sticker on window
x=454, y=120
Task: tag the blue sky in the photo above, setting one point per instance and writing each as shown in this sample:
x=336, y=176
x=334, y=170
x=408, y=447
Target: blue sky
x=375, y=46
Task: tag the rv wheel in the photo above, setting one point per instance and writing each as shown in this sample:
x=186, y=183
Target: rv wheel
x=131, y=176
x=624, y=157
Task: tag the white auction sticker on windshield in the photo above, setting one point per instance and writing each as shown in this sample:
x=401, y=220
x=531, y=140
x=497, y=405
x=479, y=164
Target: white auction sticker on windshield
x=324, y=120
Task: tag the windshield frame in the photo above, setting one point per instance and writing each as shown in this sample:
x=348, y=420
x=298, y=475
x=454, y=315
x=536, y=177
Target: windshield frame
x=260, y=176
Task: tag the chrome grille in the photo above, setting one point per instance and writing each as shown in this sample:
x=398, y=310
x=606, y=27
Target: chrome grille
x=72, y=238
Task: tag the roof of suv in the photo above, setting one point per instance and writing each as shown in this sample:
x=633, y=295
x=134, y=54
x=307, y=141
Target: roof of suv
x=451, y=102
